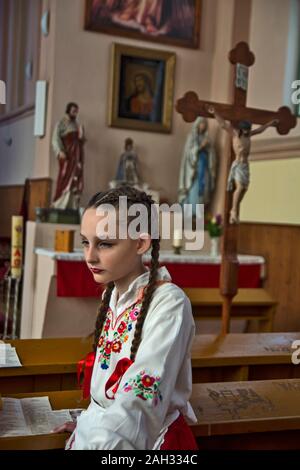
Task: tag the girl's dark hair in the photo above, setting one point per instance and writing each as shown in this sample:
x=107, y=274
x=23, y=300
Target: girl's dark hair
x=134, y=196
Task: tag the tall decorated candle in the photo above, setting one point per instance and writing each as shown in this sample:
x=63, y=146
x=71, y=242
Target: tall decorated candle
x=16, y=246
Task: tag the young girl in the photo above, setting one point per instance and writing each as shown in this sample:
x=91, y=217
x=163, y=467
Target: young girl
x=142, y=376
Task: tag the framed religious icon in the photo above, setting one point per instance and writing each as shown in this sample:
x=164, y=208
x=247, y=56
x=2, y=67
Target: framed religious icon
x=175, y=22
x=142, y=85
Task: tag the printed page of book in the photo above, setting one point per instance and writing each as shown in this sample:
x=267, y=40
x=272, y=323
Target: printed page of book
x=30, y=416
x=12, y=420
x=40, y=417
x=58, y=418
x=9, y=356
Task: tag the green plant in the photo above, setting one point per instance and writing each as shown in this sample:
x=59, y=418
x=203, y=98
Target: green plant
x=214, y=226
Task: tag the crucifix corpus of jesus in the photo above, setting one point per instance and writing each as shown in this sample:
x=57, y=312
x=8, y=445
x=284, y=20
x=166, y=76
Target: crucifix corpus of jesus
x=237, y=119
x=239, y=175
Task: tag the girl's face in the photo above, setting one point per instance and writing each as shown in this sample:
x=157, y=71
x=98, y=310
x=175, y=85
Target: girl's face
x=109, y=259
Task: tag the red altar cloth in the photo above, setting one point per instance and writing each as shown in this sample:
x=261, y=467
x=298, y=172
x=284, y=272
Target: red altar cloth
x=75, y=280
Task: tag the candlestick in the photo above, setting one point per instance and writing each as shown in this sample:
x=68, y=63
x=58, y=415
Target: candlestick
x=177, y=238
x=177, y=250
x=7, y=309
x=177, y=241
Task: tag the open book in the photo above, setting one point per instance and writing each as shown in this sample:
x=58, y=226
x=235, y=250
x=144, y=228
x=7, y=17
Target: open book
x=8, y=356
x=31, y=416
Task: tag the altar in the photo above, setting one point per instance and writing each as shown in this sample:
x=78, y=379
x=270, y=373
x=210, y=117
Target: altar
x=60, y=297
x=187, y=270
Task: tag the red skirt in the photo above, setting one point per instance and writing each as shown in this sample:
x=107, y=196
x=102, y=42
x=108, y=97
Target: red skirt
x=179, y=436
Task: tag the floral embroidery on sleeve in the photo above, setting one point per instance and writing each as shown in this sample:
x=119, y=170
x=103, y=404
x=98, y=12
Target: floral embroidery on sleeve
x=145, y=387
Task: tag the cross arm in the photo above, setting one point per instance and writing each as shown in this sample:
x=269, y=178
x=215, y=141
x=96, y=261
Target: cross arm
x=261, y=129
x=190, y=107
x=222, y=123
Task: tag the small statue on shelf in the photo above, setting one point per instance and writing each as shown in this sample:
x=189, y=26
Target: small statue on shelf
x=127, y=172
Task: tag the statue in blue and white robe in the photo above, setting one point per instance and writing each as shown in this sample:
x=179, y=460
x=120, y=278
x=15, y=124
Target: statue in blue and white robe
x=198, y=167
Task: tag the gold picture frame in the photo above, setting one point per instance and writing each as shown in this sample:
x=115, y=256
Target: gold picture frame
x=141, y=88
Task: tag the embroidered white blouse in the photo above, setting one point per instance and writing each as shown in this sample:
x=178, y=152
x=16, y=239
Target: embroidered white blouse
x=136, y=412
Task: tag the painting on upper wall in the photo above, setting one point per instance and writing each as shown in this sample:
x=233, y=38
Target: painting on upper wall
x=175, y=22
x=142, y=85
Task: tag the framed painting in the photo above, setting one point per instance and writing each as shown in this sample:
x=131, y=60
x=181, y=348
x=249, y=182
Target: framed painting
x=175, y=22
x=142, y=86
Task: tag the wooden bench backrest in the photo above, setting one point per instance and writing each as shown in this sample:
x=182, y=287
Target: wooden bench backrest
x=244, y=407
x=212, y=297
x=241, y=348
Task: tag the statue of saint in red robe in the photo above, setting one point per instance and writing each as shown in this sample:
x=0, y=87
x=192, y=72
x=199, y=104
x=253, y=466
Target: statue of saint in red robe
x=67, y=142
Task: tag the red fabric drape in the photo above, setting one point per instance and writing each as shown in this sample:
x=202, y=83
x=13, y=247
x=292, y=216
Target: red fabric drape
x=75, y=280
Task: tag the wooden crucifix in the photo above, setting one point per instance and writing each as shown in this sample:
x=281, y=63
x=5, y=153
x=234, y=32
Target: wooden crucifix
x=234, y=116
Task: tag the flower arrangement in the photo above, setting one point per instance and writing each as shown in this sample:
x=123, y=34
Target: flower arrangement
x=214, y=226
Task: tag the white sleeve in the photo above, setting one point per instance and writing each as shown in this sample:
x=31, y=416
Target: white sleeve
x=136, y=417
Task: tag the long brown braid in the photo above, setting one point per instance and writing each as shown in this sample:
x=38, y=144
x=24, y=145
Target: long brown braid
x=146, y=299
x=133, y=197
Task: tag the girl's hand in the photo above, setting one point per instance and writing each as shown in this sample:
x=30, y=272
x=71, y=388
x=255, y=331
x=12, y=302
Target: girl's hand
x=67, y=427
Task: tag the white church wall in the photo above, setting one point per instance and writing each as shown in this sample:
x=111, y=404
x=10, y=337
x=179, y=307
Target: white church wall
x=76, y=63
x=274, y=192
x=17, y=151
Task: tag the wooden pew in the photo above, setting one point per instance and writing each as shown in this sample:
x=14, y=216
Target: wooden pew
x=249, y=304
x=248, y=415
x=251, y=356
x=48, y=365
x=231, y=415
x=38, y=193
x=59, y=401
